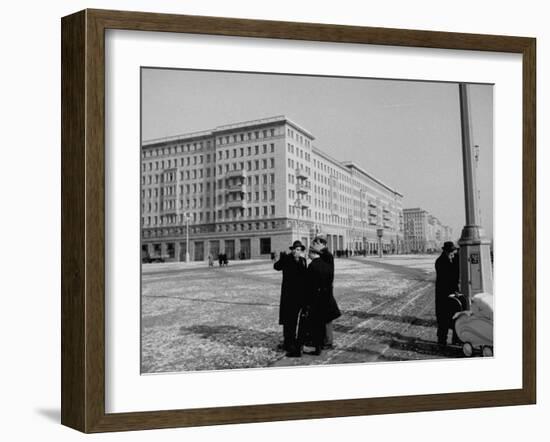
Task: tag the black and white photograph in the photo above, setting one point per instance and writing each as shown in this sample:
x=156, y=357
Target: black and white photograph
x=299, y=220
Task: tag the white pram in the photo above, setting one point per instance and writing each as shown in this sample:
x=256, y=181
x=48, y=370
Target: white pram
x=474, y=327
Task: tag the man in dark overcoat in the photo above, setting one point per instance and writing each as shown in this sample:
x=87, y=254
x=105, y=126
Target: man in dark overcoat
x=294, y=268
x=446, y=285
x=318, y=310
x=320, y=244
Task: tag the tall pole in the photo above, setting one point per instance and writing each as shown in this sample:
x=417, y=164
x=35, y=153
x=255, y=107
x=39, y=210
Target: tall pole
x=380, y=233
x=187, y=237
x=476, y=273
x=470, y=184
x=297, y=204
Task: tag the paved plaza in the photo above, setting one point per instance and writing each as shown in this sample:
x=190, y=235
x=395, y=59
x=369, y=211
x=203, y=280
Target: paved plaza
x=200, y=318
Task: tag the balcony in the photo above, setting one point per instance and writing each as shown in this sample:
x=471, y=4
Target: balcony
x=373, y=204
x=239, y=173
x=302, y=173
x=235, y=188
x=373, y=212
x=386, y=210
x=303, y=187
x=236, y=204
x=303, y=203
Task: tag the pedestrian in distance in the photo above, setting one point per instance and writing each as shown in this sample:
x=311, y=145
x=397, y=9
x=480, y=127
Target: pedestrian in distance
x=220, y=259
x=294, y=268
x=210, y=260
x=446, y=286
x=333, y=312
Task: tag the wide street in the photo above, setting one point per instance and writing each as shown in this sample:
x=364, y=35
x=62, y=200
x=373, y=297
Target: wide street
x=200, y=318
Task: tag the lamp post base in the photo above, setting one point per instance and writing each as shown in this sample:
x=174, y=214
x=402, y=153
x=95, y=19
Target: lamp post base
x=476, y=269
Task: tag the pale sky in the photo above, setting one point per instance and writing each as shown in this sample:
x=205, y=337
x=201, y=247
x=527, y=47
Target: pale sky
x=405, y=133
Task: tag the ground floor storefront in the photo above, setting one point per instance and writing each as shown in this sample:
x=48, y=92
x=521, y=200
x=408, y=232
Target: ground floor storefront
x=255, y=245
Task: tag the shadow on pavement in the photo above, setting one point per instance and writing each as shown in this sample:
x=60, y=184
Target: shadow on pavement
x=409, y=344
x=233, y=335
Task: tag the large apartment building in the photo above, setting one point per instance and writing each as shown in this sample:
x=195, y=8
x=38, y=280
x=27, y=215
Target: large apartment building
x=251, y=188
x=423, y=232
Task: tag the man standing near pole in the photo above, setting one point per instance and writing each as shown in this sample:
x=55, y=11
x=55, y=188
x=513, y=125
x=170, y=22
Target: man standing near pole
x=446, y=285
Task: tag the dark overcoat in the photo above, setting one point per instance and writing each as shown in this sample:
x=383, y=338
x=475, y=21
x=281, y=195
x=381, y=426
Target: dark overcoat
x=292, y=287
x=320, y=276
x=446, y=283
x=333, y=311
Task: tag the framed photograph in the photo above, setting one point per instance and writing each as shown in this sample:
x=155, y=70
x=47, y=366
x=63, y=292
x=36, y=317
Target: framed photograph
x=267, y=221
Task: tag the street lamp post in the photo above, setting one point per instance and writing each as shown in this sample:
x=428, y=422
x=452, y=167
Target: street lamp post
x=380, y=233
x=476, y=273
x=298, y=206
x=187, y=237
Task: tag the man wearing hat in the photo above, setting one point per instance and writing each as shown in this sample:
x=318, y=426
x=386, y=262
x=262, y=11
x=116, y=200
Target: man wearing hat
x=294, y=267
x=446, y=285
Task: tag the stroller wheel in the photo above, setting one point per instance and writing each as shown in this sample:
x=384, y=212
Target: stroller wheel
x=487, y=351
x=467, y=349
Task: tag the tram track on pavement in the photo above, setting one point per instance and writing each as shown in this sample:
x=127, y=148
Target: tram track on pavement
x=354, y=336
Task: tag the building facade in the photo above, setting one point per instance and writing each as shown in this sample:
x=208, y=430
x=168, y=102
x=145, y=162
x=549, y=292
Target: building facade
x=423, y=232
x=249, y=189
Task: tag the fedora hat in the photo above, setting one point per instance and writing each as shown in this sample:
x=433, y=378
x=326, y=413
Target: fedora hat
x=448, y=246
x=297, y=244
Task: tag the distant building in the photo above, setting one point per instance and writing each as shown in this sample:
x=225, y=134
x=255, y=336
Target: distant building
x=423, y=232
x=251, y=188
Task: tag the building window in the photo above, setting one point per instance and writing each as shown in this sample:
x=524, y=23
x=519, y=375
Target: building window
x=265, y=246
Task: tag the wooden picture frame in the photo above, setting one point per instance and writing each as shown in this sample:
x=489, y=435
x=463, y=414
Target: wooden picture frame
x=83, y=220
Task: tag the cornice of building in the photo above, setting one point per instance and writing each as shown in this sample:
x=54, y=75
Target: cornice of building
x=351, y=165
x=281, y=119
